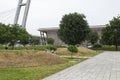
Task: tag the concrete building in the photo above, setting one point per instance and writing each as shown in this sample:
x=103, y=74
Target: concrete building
x=52, y=33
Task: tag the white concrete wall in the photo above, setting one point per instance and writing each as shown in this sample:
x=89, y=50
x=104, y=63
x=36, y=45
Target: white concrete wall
x=53, y=34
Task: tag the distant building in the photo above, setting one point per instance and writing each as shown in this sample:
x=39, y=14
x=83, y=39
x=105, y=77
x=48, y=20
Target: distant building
x=52, y=33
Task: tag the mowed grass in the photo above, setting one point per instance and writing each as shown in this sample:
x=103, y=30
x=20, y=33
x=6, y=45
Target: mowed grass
x=71, y=59
x=32, y=73
x=81, y=52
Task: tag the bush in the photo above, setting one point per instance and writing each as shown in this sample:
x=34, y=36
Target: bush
x=97, y=46
x=73, y=49
x=52, y=48
x=50, y=41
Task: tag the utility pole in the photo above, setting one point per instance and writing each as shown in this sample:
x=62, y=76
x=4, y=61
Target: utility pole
x=21, y=4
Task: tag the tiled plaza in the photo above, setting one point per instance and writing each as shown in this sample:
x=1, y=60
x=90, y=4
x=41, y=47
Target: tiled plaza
x=105, y=66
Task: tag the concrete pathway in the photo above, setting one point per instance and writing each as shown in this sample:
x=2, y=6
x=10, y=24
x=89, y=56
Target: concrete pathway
x=105, y=66
x=76, y=56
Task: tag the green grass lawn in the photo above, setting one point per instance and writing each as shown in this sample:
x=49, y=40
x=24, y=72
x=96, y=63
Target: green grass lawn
x=32, y=73
x=76, y=59
x=107, y=48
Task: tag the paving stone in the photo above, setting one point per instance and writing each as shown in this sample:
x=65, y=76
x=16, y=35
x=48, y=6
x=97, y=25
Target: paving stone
x=105, y=66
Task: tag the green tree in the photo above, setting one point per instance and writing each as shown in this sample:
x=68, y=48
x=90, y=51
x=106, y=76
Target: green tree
x=4, y=34
x=92, y=37
x=34, y=40
x=18, y=33
x=24, y=38
x=73, y=28
x=111, y=33
x=12, y=34
x=50, y=41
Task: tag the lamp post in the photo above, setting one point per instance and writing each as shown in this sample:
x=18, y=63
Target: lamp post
x=116, y=44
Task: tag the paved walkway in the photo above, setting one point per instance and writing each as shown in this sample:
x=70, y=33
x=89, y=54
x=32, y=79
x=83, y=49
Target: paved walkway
x=105, y=66
x=76, y=56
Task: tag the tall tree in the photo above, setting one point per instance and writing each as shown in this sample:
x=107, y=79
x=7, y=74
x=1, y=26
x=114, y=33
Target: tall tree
x=12, y=34
x=92, y=37
x=73, y=28
x=111, y=33
x=18, y=33
x=50, y=41
x=4, y=33
x=34, y=40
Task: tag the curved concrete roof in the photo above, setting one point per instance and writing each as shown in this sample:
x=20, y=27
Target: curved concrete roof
x=56, y=28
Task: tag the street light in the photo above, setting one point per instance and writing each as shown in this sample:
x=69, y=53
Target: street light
x=116, y=39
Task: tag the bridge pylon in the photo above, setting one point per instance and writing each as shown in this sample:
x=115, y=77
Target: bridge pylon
x=21, y=4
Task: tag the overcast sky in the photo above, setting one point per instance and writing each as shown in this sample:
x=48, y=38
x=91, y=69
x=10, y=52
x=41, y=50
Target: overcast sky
x=48, y=13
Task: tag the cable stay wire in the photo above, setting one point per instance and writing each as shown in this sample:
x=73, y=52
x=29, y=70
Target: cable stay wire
x=5, y=19
x=9, y=19
x=7, y=15
x=7, y=11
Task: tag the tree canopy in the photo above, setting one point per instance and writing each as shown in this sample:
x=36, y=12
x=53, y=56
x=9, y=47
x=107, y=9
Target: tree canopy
x=73, y=28
x=12, y=34
x=4, y=34
x=111, y=33
x=19, y=34
x=34, y=40
x=50, y=41
x=92, y=37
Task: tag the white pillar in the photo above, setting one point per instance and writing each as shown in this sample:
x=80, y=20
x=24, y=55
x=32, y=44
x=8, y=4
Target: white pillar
x=20, y=4
x=18, y=12
x=26, y=13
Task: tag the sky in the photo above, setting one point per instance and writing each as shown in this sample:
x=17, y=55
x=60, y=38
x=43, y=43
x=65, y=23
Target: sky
x=48, y=13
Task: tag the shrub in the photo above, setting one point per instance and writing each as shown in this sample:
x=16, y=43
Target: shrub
x=97, y=46
x=73, y=49
x=52, y=48
x=50, y=41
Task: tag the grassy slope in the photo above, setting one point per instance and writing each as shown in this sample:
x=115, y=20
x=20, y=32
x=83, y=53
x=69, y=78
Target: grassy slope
x=81, y=52
x=27, y=58
x=25, y=48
